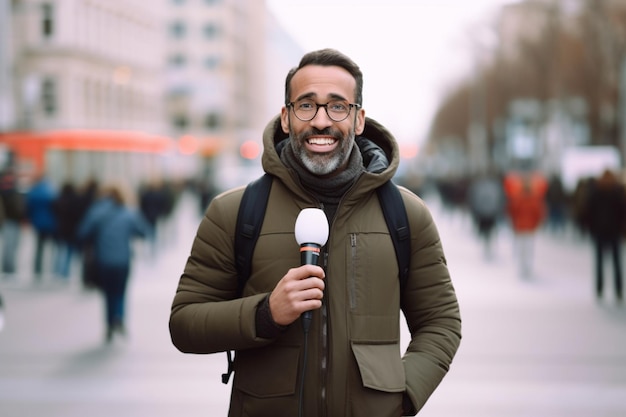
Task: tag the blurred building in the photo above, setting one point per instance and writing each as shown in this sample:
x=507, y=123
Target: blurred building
x=197, y=72
x=550, y=78
x=94, y=64
x=226, y=63
x=80, y=74
x=539, y=128
x=6, y=63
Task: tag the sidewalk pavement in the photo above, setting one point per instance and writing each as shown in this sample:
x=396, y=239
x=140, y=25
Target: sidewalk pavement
x=531, y=347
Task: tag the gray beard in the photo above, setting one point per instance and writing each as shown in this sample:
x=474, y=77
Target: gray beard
x=324, y=164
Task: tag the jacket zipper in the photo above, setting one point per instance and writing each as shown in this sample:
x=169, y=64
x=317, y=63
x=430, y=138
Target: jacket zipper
x=324, y=347
x=352, y=277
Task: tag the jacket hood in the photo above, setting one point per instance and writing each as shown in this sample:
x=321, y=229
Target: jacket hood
x=378, y=147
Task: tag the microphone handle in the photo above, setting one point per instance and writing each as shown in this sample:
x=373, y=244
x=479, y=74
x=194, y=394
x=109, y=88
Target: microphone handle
x=309, y=255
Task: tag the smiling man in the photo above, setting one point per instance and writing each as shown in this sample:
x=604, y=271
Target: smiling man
x=322, y=152
x=322, y=144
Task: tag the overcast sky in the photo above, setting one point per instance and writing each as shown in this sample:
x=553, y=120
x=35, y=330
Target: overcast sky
x=409, y=50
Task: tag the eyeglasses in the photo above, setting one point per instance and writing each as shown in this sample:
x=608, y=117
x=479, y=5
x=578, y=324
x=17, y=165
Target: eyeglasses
x=337, y=110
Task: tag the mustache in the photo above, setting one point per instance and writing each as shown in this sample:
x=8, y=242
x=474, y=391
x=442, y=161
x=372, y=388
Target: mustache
x=324, y=132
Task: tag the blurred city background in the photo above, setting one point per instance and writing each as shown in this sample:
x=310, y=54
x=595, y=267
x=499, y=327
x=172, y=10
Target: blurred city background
x=170, y=98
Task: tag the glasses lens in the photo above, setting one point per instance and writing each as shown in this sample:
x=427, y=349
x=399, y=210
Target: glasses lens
x=305, y=110
x=338, y=110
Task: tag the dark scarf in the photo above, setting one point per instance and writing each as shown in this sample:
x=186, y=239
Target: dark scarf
x=327, y=190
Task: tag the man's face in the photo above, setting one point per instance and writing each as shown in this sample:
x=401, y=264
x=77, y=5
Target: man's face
x=322, y=144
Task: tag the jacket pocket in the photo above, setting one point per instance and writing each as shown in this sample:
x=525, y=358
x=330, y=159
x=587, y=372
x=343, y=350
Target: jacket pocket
x=380, y=366
x=267, y=372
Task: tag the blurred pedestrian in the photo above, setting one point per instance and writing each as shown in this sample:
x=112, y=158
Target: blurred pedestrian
x=606, y=219
x=578, y=205
x=112, y=226
x=557, y=201
x=14, y=215
x=153, y=203
x=1, y=313
x=205, y=190
x=526, y=208
x=87, y=196
x=39, y=207
x=2, y=215
x=486, y=202
x=67, y=211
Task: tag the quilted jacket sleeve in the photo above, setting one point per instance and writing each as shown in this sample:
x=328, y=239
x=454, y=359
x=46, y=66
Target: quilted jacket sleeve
x=206, y=315
x=430, y=306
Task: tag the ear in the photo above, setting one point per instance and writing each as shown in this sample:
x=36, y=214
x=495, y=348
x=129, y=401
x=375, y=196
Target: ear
x=359, y=125
x=284, y=119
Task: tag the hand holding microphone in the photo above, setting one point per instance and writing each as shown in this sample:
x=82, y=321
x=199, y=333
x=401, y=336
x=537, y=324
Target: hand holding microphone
x=295, y=289
x=311, y=234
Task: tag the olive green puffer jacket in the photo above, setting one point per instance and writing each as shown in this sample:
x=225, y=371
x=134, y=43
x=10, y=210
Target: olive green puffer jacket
x=354, y=364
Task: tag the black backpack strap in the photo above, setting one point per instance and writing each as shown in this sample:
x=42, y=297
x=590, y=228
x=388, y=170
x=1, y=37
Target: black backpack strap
x=231, y=366
x=398, y=224
x=249, y=221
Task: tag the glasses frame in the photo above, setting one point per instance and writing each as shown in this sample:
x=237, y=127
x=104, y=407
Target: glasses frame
x=325, y=106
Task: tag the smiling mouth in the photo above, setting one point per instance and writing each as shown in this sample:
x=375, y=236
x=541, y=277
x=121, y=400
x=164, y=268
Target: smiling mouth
x=321, y=141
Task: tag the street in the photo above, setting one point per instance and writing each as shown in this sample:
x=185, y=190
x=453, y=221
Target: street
x=541, y=346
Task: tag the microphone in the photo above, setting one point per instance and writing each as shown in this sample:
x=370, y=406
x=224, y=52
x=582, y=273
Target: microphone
x=311, y=234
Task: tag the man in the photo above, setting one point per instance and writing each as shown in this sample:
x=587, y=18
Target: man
x=526, y=209
x=13, y=208
x=349, y=362
x=110, y=226
x=39, y=208
x=486, y=204
x=606, y=219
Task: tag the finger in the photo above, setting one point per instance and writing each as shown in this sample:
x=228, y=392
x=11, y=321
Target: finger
x=307, y=271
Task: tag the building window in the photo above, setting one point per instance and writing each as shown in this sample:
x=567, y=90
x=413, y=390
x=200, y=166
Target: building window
x=47, y=20
x=49, y=97
x=180, y=122
x=211, y=62
x=178, y=30
x=210, y=30
x=212, y=2
x=212, y=121
x=177, y=60
x=178, y=2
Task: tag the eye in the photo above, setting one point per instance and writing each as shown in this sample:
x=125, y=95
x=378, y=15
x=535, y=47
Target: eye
x=305, y=105
x=338, y=107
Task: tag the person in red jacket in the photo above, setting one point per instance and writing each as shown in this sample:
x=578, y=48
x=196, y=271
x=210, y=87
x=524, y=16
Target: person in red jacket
x=526, y=209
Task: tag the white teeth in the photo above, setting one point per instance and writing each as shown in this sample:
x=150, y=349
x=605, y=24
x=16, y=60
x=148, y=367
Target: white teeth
x=321, y=141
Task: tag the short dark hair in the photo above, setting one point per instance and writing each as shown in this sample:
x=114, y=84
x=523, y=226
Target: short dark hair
x=328, y=58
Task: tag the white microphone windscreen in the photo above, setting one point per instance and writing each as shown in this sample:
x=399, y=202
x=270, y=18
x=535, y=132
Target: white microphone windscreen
x=311, y=227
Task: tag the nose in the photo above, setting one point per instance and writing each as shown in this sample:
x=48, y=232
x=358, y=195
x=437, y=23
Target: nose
x=321, y=119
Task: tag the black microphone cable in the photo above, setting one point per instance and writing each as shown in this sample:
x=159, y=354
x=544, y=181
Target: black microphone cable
x=305, y=324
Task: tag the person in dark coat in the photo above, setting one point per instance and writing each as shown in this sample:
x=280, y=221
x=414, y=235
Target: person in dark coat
x=606, y=220
x=153, y=203
x=486, y=202
x=67, y=211
x=39, y=207
x=14, y=206
x=86, y=198
x=112, y=226
x=556, y=200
